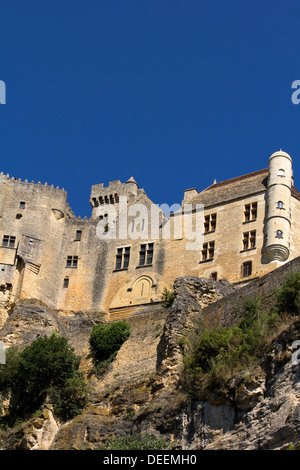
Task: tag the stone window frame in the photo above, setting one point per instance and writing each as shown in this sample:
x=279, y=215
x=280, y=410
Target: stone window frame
x=122, y=258
x=8, y=241
x=146, y=254
x=210, y=223
x=78, y=235
x=247, y=268
x=72, y=261
x=208, y=251
x=250, y=212
x=249, y=240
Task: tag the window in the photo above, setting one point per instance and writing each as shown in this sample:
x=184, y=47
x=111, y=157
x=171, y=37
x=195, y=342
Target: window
x=8, y=241
x=105, y=219
x=146, y=254
x=66, y=283
x=250, y=212
x=249, y=240
x=279, y=205
x=214, y=276
x=78, y=235
x=279, y=234
x=122, y=257
x=22, y=205
x=281, y=172
x=208, y=251
x=72, y=262
x=247, y=269
x=210, y=223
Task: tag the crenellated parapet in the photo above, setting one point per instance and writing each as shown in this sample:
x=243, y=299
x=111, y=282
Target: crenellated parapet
x=101, y=195
x=32, y=184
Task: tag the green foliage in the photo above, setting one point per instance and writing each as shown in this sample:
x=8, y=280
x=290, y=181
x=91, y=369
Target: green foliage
x=217, y=353
x=288, y=296
x=106, y=340
x=137, y=442
x=47, y=364
x=8, y=371
x=69, y=400
x=168, y=297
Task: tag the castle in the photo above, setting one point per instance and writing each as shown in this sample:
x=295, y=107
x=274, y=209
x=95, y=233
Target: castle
x=122, y=258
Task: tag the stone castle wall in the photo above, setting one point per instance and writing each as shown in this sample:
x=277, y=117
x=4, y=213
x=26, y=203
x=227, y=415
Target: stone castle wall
x=70, y=263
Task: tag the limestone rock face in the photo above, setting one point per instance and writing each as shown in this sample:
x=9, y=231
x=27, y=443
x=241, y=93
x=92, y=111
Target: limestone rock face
x=141, y=391
x=39, y=432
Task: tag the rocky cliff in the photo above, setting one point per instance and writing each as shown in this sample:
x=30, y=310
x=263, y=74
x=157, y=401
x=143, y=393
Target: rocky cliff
x=143, y=390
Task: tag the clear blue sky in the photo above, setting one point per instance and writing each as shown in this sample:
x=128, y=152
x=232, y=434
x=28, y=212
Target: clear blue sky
x=173, y=92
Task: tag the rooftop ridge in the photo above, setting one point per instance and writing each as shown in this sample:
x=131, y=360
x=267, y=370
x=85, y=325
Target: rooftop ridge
x=235, y=179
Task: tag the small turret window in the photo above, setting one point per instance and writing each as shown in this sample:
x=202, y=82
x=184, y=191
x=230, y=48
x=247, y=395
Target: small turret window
x=281, y=172
x=279, y=234
x=279, y=205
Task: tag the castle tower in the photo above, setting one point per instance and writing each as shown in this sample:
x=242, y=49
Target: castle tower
x=103, y=196
x=278, y=208
x=132, y=187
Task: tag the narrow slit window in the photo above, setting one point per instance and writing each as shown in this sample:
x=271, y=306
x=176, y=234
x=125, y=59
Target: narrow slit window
x=78, y=234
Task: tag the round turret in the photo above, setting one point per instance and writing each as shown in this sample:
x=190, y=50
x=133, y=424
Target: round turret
x=132, y=186
x=278, y=206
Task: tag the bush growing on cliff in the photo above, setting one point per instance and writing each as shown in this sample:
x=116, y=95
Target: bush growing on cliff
x=48, y=363
x=217, y=352
x=106, y=340
x=288, y=296
x=136, y=442
x=168, y=297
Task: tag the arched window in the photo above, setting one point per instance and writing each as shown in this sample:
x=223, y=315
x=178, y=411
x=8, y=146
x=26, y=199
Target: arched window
x=279, y=234
x=281, y=172
x=279, y=205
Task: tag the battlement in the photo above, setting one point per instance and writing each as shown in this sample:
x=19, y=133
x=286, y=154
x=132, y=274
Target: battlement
x=42, y=186
x=110, y=194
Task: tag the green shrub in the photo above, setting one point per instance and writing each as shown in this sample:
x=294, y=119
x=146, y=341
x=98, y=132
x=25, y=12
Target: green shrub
x=68, y=401
x=137, y=442
x=168, y=297
x=106, y=340
x=49, y=363
x=288, y=296
x=217, y=353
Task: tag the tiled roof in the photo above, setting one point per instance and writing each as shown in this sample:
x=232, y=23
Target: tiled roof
x=233, y=188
